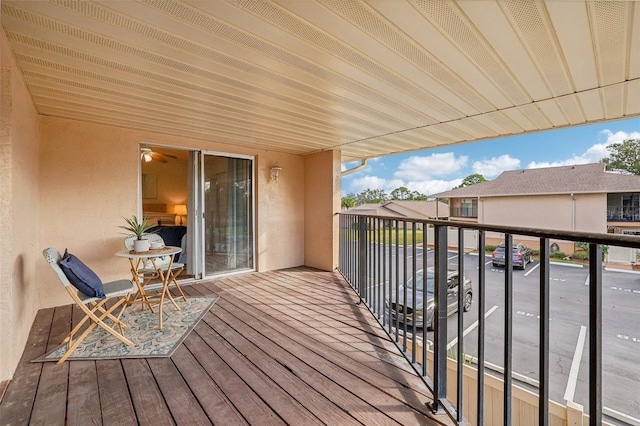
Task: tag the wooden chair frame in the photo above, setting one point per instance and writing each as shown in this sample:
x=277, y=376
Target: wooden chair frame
x=94, y=308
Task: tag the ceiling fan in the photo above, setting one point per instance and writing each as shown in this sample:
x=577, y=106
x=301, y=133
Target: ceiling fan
x=147, y=154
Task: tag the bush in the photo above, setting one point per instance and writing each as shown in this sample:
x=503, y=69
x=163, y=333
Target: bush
x=580, y=256
x=489, y=247
x=558, y=254
x=535, y=252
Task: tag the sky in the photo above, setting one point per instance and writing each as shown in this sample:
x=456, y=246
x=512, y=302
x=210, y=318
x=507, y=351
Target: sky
x=437, y=170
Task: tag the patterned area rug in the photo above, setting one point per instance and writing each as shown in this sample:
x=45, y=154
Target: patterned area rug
x=148, y=340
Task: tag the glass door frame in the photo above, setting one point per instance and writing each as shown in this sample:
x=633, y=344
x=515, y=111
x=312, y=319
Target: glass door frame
x=198, y=157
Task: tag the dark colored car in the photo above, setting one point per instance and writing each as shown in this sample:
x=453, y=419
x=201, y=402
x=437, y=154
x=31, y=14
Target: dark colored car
x=411, y=311
x=521, y=256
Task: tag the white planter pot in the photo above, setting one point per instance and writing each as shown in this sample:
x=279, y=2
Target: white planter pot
x=141, y=245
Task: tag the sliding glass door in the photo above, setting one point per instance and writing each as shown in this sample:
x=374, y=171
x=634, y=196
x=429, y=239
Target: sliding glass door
x=228, y=213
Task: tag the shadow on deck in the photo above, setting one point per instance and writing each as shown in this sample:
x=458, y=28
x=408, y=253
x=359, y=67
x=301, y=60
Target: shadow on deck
x=283, y=347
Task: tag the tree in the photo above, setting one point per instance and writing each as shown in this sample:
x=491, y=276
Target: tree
x=401, y=193
x=624, y=156
x=472, y=180
x=372, y=196
x=348, y=201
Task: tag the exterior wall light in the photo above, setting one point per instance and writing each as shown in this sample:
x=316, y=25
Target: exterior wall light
x=275, y=173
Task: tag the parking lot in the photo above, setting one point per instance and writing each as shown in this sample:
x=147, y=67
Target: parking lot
x=568, y=357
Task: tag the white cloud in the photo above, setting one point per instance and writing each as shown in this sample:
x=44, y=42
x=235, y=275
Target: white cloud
x=592, y=155
x=367, y=182
x=619, y=137
x=496, y=165
x=417, y=168
x=428, y=187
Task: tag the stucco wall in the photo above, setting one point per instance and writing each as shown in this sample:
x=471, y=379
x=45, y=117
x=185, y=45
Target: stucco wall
x=582, y=212
x=89, y=181
x=19, y=212
x=280, y=210
x=321, y=205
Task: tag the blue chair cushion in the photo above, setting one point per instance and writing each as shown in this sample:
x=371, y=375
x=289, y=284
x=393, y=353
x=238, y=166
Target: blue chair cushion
x=81, y=276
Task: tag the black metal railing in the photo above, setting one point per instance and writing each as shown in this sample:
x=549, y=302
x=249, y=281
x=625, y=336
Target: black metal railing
x=378, y=261
x=623, y=215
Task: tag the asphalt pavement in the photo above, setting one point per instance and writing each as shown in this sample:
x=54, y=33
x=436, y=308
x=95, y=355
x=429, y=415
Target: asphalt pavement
x=568, y=337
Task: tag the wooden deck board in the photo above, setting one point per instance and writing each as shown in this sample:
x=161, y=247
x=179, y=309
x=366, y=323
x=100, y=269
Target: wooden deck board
x=283, y=347
x=115, y=401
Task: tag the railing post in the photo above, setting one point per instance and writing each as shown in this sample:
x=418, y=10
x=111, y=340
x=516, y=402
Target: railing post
x=460, y=346
x=362, y=257
x=595, y=334
x=440, y=319
x=425, y=247
x=481, y=326
x=543, y=393
x=508, y=327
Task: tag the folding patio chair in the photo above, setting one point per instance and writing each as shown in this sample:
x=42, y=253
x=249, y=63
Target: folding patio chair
x=149, y=272
x=93, y=307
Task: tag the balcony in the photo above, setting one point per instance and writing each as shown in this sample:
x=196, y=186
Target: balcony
x=286, y=347
x=623, y=215
x=466, y=212
x=471, y=362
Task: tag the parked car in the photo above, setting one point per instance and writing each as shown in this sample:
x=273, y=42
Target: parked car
x=521, y=256
x=413, y=312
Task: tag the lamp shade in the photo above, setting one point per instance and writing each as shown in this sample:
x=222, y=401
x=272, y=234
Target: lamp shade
x=180, y=210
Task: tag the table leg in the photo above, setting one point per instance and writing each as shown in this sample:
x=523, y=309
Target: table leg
x=139, y=280
x=166, y=280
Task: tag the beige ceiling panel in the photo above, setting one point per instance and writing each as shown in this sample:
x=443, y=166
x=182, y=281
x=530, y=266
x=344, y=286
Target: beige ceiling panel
x=632, y=91
x=521, y=120
x=454, y=38
x=504, y=121
x=368, y=78
x=571, y=24
x=379, y=27
x=450, y=132
x=227, y=98
x=533, y=113
x=212, y=112
x=591, y=104
x=381, y=60
x=491, y=124
x=399, y=97
x=130, y=55
x=570, y=104
x=531, y=22
x=611, y=25
x=634, y=44
x=162, y=128
x=614, y=100
x=496, y=28
x=551, y=109
x=471, y=126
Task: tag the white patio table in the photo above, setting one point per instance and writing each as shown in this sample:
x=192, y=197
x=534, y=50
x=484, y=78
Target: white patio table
x=142, y=276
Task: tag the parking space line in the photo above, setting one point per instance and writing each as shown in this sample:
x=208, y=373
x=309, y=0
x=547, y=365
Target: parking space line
x=471, y=327
x=575, y=365
x=531, y=270
x=586, y=281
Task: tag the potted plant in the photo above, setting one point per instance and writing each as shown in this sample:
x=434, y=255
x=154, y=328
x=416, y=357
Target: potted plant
x=636, y=265
x=138, y=228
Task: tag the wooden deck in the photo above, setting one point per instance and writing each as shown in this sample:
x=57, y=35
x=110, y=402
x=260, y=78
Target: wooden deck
x=285, y=347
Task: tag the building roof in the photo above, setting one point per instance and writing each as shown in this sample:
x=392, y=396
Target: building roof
x=412, y=209
x=579, y=179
